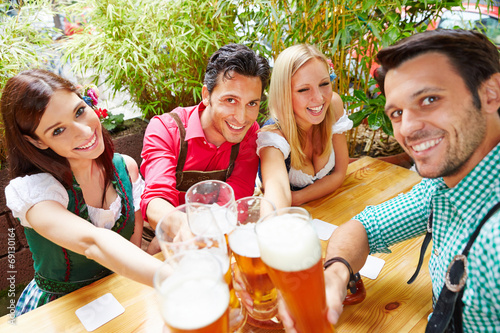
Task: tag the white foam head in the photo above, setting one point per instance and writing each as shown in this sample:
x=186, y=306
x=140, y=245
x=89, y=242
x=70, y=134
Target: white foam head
x=194, y=295
x=194, y=303
x=243, y=241
x=288, y=243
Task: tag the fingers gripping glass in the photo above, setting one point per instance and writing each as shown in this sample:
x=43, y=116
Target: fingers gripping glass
x=243, y=243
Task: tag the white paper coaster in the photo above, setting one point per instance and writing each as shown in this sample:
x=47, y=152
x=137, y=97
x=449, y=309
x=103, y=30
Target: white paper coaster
x=99, y=312
x=323, y=229
x=372, y=267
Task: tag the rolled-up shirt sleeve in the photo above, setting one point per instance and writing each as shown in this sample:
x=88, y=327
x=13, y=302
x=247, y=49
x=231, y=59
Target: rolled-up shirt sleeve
x=159, y=162
x=398, y=219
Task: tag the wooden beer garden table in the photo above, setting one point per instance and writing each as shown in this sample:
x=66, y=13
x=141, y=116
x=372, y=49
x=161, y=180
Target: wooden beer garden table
x=391, y=305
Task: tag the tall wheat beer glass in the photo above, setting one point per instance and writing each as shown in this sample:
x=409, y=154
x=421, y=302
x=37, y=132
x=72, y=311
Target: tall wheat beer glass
x=219, y=196
x=290, y=248
x=192, y=293
x=243, y=243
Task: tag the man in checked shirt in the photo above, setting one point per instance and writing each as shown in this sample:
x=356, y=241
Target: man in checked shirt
x=443, y=99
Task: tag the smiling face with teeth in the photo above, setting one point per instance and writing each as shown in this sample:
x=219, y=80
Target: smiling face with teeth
x=311, y=93
x=231, y=108
x=70, y=128
x=434, y=118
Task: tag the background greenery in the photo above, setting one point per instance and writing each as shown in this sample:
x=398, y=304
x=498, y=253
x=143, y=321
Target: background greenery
x=22, y=44
x=157, y=50
x=349, y=33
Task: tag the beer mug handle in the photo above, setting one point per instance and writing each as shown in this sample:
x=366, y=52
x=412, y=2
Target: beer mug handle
x=358, y=296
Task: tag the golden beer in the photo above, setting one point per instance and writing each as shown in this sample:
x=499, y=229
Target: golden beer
x=304, y=294
x=291, y=250
x=243, y=242
x=192, y=293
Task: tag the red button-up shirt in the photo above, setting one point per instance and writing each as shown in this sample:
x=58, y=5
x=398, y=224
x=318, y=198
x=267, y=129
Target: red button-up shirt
x=160, y=153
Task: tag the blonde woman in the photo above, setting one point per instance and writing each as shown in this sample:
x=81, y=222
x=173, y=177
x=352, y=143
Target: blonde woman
x=302, y=148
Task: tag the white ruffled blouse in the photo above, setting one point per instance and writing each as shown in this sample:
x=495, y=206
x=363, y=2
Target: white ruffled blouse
x=299, y=178
x=24, y=192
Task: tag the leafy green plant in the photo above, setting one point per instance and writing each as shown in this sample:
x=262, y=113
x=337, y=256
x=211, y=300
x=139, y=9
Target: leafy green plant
x=113, y=122
x=156, y=50
x=371, y=109
x=349, y=32
x=22, y=40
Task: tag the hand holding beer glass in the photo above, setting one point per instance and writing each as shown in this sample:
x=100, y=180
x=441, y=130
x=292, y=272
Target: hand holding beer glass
x=192, y=293
x=243, y=243
x=290, y=248
x=202, y=232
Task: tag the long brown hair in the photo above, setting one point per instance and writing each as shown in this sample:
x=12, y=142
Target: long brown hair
x=23, y=103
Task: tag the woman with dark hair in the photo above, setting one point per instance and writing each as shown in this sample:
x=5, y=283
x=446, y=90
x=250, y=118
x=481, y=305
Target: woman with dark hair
x=77, y=201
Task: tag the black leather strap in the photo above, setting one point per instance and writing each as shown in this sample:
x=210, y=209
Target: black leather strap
x=447, y=314
x=222, y=175
x=425, y=244
x=352, y=278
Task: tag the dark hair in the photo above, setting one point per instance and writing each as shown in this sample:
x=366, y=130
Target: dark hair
x=239, y=59
x=470, y=53
x=24, y=100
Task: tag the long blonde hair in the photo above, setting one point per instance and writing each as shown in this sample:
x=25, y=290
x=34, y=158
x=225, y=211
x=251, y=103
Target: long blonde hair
x=281, y=107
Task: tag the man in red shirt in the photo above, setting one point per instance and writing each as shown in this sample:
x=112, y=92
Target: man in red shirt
x=218, y=134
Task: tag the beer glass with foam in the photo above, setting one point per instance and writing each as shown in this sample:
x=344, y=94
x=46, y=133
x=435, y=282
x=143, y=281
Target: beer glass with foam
x=243, y=243
x=204, y=233
x=192, y=293
x=291, y=250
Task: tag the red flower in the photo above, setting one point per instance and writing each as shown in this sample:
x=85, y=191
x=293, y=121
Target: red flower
x=101, y=113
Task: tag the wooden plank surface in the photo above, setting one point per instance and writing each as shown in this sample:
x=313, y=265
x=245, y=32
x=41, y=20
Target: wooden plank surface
x=391, y=305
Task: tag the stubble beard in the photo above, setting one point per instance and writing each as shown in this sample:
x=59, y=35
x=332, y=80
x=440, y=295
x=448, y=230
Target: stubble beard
x=468, y=138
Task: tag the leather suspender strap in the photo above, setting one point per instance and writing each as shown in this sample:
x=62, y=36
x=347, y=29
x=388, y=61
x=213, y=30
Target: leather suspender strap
x=478, y=229
x=183, y=147
x=234, y=153
x=425, y=244
x=447, y=314
x=179, y=173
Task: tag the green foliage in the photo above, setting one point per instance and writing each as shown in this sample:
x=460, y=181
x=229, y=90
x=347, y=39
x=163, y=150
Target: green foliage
x=156, y=50
x=21, y=44
x=349, y=32
x=21, y=39
x=113, y=122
